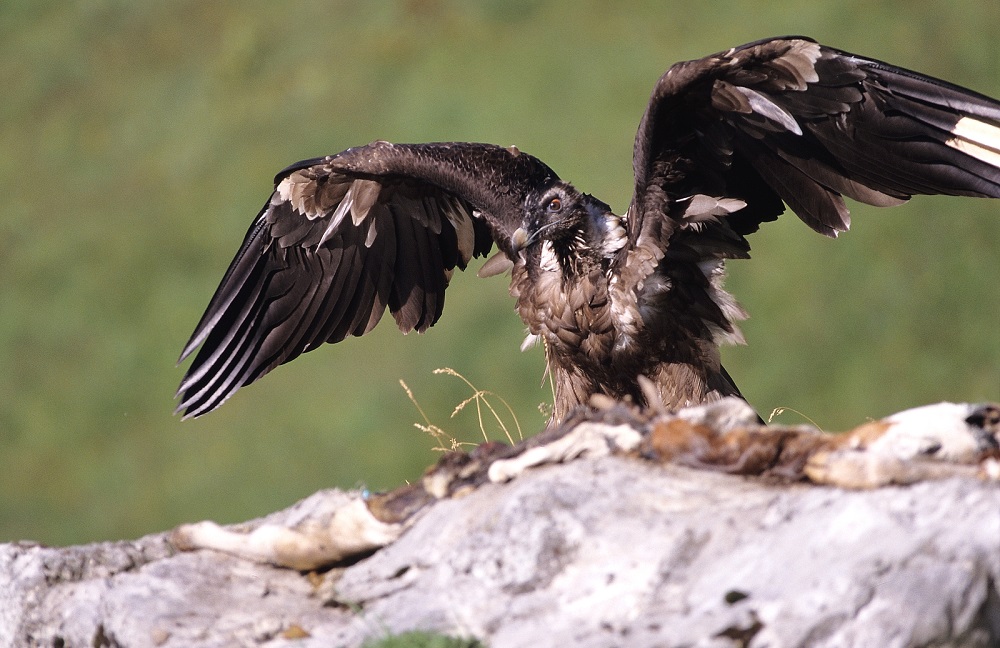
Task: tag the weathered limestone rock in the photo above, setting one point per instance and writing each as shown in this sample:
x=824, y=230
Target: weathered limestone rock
x=610, y=551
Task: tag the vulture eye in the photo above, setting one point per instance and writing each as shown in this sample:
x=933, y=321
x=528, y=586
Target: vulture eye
x=554, y=206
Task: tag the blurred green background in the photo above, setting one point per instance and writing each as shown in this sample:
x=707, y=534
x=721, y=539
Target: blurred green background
x=139, y=139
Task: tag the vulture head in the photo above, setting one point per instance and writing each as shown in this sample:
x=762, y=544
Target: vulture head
x=567, y=227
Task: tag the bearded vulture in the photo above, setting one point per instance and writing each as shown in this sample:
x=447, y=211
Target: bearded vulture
x=630, y=306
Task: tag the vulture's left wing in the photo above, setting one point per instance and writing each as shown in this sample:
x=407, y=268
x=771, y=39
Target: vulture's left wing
x=344, y=237
x=728, y=138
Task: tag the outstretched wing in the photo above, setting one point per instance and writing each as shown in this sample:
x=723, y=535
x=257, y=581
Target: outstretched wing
x=344, y=237
x=728, y=138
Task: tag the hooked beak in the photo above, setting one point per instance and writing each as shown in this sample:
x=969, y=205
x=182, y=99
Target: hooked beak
x=519, y=239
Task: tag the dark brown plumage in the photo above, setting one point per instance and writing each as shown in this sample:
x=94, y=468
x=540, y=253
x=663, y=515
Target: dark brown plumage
x=726, y=142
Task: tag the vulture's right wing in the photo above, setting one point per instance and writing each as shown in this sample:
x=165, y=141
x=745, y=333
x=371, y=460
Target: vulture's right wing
x=344, y=237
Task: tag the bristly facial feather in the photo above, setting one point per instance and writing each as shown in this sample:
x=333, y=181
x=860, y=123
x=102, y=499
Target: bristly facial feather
x=572, y=231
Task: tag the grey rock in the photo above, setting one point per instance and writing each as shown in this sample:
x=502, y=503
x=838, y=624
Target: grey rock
x=604, y=552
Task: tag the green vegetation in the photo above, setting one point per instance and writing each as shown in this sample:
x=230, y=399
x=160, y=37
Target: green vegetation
x=139, y=139
x=419, y=639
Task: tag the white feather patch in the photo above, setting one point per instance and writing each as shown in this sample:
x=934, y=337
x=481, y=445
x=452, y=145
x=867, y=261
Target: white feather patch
x=342, y=209
x=615, y=236
x=977, y=139
x=365, y=193
x=462, y=222
x=772, y=111
x=800, y=62
x=702, y=207
x=495, y=265
x=299, y=191
x=371, y=231
x=547, y=260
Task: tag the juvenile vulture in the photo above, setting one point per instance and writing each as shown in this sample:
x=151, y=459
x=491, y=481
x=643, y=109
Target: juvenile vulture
x=726, y=142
